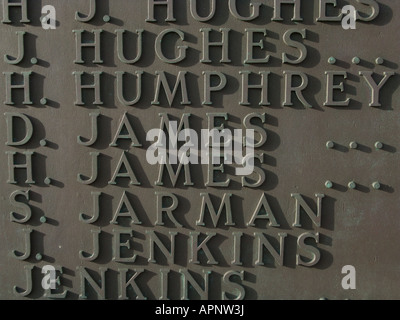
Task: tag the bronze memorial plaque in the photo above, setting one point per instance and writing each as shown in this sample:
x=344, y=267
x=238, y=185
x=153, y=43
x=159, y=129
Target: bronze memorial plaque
x=200, y=149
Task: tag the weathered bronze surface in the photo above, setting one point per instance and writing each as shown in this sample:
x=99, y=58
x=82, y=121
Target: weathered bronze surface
x=78, y=194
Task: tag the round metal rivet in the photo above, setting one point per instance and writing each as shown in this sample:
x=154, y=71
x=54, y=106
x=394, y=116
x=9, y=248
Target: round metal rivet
x=38, y=257
x=328, y=184
x=356, y=60
x=34, y=60
x=47, y=181
x=43, y=142
x=330, y=144
x=43, y=101
x=376, y=185
x=43, y=219
x=379, y=60
x=353, y=145
x=106, y=18
x=352, y=185
x=332, y=60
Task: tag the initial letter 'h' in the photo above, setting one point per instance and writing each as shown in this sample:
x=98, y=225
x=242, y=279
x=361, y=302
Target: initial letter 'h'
x=6, y=11
x=12, y=166
x=25, y=86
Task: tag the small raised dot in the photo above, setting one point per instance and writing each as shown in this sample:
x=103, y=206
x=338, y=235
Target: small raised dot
x=356, y=60
x=34, y=60
x=43, y=101
x=378, y=145
x=332, y=60
x=352, y=185
x=353, y=145
x=38, y=257
x=328, y=184
x=47, y=181
x=106, y=18
x=379, y=60
x=43, y=219
x=43, y=142
x=376, y=185
x=330, y=144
